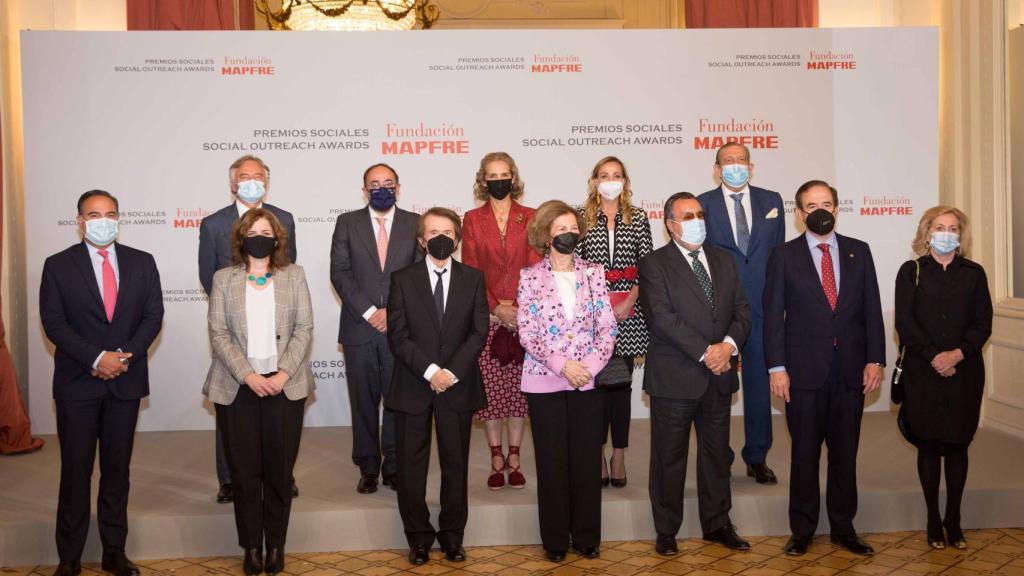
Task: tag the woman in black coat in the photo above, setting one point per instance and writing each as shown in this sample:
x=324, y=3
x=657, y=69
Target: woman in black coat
x=944, y=317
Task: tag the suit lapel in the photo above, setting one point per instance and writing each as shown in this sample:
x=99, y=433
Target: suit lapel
x=806, y=261
x=364, y=229
x=684, y=270
x=84, y=265
x=125, y=265
x=719, y=214
x=456, y=291
x=282, y=288
x=400, y=235
x=844, y=257
x=716, y=278
x=236, y=301
x=758, y=211
x=425, y=288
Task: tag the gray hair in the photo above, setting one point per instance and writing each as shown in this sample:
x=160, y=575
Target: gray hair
x=233, y=169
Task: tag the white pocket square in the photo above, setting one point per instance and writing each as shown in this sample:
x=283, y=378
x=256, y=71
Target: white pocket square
x=773, y=214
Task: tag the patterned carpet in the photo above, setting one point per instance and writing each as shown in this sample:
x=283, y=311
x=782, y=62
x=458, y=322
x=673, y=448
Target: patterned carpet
x=993, y=551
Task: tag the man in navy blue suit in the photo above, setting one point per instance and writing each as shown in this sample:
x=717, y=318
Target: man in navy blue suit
x=825, y=344
x=748, y=222
x=101, y=305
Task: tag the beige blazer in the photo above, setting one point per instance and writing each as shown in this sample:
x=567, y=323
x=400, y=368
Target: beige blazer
x=229, y=333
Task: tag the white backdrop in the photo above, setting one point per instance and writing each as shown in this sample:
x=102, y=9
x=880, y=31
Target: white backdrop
x=156, y=118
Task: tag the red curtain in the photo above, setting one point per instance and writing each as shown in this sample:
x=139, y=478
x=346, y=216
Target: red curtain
x=190, y=14
x=15, y=427
x=751, y=13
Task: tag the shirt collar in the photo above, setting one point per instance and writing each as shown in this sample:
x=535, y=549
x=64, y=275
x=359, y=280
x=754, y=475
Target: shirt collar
x=386, y=215
x=727, y=192
x=242, y=208
x=93, y=251
x=831, y=240
x=432, y=268
x=684, y=251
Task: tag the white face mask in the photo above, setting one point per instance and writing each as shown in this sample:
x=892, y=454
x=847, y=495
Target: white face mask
x=251, y=191
x=101, y=231
x=610, y=189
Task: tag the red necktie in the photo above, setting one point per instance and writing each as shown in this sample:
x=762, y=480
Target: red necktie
x=382, y=242
x=828, y=276
x=109, y=285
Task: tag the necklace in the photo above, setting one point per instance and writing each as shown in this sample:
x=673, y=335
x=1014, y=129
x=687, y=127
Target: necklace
x=260, y=280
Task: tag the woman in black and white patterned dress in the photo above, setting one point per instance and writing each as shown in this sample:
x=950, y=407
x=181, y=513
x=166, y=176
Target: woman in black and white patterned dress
x=618, y=236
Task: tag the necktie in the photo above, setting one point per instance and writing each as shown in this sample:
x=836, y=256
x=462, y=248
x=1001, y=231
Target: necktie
x=439, y=294
x=109, y=285
x=382, y=242
x=742, y=230
x=702, y=278
x=828, y=276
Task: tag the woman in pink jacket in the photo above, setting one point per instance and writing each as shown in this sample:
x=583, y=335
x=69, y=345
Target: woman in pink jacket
x=568, y=329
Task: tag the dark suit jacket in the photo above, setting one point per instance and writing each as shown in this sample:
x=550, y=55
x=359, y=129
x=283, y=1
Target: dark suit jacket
x=765, y=234
x=799, y=324
x=73, y=316
x=355, y=268
x=417, y=340
x=215, y=240
x=682, y=323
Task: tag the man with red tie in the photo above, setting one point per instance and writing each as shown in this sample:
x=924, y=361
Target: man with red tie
x=101, y=306
x=825, y=348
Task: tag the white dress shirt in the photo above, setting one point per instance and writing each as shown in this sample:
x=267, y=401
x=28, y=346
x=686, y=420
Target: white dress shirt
x=97, y=268
x=389, y=219
x=565, y=282
x=704, y=260
x=261, y=329
x=730, y=207
x=446, y=280
x=242, y=208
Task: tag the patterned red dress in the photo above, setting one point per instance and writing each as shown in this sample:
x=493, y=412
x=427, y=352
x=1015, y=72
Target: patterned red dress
x=500, y=259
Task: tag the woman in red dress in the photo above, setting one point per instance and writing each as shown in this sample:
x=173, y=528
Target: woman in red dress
x=494, y=241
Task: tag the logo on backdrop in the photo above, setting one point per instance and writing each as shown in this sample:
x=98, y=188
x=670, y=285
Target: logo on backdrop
x=247, y=66
x=167, y=65
x=328, y=216
x=481, y=64
x=129, y=218
x=668, y=132
x=305, y=139
x=194, y=296
x=831, y=60
x=556, y=64
x=422, y=140
x=755, y=133
x=761, y=60
x=189, y=217
x=886, y=206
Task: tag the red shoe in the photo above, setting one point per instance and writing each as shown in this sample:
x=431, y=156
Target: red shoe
x=515, y=477
x=496, y=481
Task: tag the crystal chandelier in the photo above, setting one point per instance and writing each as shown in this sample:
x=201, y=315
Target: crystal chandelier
x=354, y=15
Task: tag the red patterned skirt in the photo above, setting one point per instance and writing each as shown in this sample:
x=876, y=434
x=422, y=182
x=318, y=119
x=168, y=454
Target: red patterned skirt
x=502, y=384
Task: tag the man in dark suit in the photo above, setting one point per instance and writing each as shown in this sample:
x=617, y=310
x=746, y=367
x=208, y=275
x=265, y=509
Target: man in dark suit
x=101, y=306
x=748, y=222
x=249, y=178
x=368, y=245
x=698, y=318
x=436, y=380
x=825, y=346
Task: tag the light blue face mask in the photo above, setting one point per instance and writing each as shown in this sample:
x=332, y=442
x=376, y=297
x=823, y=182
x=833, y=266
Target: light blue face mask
x=735, y=175
x=694, y=231
x=101, y=231
x=944, y=242
x=251, y=191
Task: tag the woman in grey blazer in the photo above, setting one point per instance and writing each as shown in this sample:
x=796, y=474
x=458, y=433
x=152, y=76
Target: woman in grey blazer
x=261, y=329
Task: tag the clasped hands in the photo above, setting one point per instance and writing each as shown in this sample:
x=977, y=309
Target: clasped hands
x=577, y=374
x=441, y=381
x=267, y=386
x=506, y=313
x=111, y=365
x=718, y=358
x=945, y=362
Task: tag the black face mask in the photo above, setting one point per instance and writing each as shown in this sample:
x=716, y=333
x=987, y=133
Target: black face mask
x=499, y=189
x=565, y=243
x=259, y=246
x=821, y=222
x=440, y=247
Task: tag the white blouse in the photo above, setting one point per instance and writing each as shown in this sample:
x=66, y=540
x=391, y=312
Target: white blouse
x=261, y=329
x=566, y=284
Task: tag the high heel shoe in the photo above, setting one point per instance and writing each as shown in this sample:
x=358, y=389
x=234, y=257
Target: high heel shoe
x=496, y=481
x=605, y=480
x=515, y=477
x=616, y=482
x=935, y=537
x=955, y=537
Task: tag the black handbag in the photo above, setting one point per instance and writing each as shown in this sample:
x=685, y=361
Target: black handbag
x=896, y=391
x=614, y=375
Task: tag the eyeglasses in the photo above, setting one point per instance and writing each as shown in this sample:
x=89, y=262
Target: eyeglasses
x=689, y=216
x=378, y=185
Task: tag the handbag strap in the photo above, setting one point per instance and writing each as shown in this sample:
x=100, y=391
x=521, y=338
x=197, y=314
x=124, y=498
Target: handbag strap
x=917, y=281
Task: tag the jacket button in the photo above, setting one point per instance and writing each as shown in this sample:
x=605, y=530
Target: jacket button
x=278, y=336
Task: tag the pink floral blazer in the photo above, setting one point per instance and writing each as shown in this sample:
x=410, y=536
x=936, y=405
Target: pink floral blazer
x=551, y=337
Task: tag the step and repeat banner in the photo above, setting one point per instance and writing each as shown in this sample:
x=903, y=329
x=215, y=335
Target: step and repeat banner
x=156, y=118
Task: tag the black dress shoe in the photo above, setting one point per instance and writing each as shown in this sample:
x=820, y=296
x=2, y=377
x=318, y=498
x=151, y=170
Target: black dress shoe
x=295, y=490
x=226, y=494
x=761, y=473
x=854, y=544
x=666, y=545
x=118, y=564
x=69, y=568
x=391, y=481
x=605, y=481
x=367, y=485
x=797, y=545
x=618, y=482
x=554, y=555
x=588, y=551
x=727, y=536
x=455, y=553
x=274, y=562
x=419, y=554
x=252, y=562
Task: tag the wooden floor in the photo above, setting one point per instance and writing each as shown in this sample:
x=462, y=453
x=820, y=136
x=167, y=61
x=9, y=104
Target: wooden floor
x=993, y=551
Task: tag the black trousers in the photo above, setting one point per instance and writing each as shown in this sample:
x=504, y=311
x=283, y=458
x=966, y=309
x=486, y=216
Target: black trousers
x=566, y=428
x=831, y=414
x=618, y=411
x=368, y=369
x=80, y=424
x=261, y=441
x=412, y=436
x=670, y=445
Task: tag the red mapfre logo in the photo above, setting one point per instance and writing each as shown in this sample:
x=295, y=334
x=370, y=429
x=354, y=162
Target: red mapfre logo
x=830, y=60
x=247, y=66
x=556, y=63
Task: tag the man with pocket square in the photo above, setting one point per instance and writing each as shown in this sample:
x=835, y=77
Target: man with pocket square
x=748, y=222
